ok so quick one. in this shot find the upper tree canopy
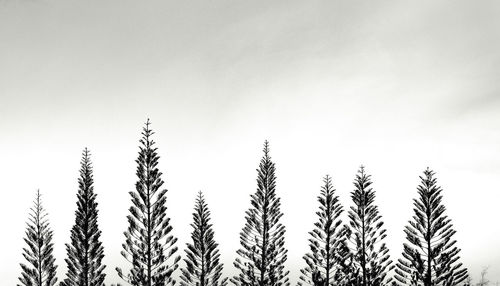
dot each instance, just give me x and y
(85, 253)
(263, 253)
(203, 266)
(371, 263)
(149, 244)
(430, 256)
(40, 269)
(325, 260)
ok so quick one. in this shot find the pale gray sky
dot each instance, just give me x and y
(394, 85)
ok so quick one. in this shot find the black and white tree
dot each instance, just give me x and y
(203, 266)
(325, 260)
(85, 252)
(371, 263)
(40, 268)
(262, 254)
(149, 245)
(430, 255)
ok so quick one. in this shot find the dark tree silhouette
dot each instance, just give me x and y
(149, 245)
(324, 261)
(40, 269)
(430, 257)
(263, 253)
(85, 253)
(203, 267)
(365, 234)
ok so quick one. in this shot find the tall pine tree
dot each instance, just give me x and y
(430, 257)
(149, 244)
(263, 253)
(203, 267)
(324, 261)
(40, 269)
(85, 253)
(371, 262)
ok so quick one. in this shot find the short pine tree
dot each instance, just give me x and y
(263, 252)
(85, 253)
(40, 269)
(324, 261)
(371, 262)
(430, 257)
(149, 244)
(203, 267)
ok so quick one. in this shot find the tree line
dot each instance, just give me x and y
(341, 253)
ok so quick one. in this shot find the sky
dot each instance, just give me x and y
(396, 86)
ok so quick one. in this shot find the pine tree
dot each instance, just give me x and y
(149, 245)
(263, 253)
(41, 268)
(430, 257)
(371, 262)
(202, 256)
(85, 253)
(324, 261)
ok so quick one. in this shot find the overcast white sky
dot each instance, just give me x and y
(394, 85)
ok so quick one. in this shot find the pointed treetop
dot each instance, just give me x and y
(200, 199)
(362, 169)
(327, 179)
(38, 208)
(85, 157)
(429, 173)
(146, 130)
(266, 148)
(38, 195)
(362, 172)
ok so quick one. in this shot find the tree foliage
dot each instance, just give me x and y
(325, 259)
(40, 269)
(371, 263)
(149, 245)
(430, 256)
(85, 253)
(203, 267)
(263, 254)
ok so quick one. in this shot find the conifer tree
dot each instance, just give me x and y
(263, 253)
(85, 253)
(149, 244)
(40, 269)
(203, 267)
(371, 262)
(324, 261)
(430, 256)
